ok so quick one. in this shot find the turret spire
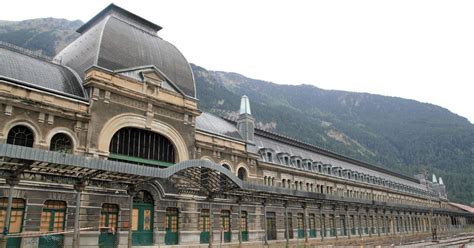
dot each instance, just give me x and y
(245, 105)
(245, 122)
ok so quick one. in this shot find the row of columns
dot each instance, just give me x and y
(381, 223)
(393, 224)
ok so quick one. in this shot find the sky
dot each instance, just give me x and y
(415, 49)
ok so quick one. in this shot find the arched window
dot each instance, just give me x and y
(61, 143)
(242, 174)
(143, 196)
(140, 146)
(21, 136)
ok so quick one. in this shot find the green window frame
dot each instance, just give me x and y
(204, 226)
(244, 225)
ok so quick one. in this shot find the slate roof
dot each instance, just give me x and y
(462, 207)
(327, 157)
(216, 125)
(19, 67)
(117, 39)
(210, 123)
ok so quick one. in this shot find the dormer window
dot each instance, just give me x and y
(287, 160)
(269, 157)
(298, 163)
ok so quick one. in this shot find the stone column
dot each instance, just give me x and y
(265, 221)
(336, 221)
(131, 193)
(378, 221)
(211, 223)
(347, 220)
(305, 222)
(322, 222)
(287, 233)
(430, 225)
(79, 187)
(240, 223)
(360, 223)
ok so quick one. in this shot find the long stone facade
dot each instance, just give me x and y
(105, 146)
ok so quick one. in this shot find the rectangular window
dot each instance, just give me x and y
(269, 157)
(16, 215)
(312, 225)
(204, 220)
(225, 216)
(53, 216)
(271, 226)
(243, 221)
(300, 219)
(135, 219)
(171, 219)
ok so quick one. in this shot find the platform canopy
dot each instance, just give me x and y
(198, 177)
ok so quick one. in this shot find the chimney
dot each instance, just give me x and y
(246, 122)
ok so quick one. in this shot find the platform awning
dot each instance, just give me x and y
(199, 177)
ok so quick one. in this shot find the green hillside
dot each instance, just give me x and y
(45, 35)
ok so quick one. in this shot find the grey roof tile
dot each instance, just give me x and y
(213, 124)
(23, 68)
(265, 142)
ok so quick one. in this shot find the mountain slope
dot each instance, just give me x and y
(399, 134)
(45, 35)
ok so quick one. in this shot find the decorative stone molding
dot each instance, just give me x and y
(139, 121)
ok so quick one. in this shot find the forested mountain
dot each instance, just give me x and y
(399, 134)
(46, 36)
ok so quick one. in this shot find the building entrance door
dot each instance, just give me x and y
(271, 226)
(300, 219)
(204, 226)
(225, 222)
(142, 219)
(171, 236)
(52, 221)
(108, 226)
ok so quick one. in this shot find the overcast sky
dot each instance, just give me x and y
(422, 50)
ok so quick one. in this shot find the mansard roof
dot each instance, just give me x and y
(22, 67)
(213, 124)
(117, 39)
(281, 143)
